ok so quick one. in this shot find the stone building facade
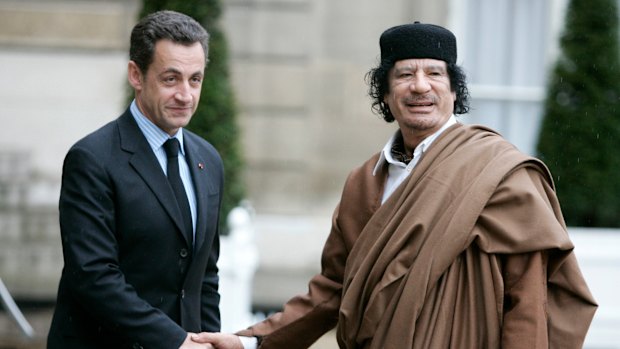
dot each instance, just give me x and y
(298, 70)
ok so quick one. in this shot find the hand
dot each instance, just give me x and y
(219, 340)
(188, 343)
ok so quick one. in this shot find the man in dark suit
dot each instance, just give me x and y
(139, 207)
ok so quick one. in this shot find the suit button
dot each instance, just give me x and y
(137, 346)
(182, 294)
(183, 253)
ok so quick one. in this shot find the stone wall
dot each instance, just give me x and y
(69, 24)
(30, 253)
(63, 65)
(298, 68)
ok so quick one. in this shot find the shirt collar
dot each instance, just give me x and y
(386, 152)
(153, 134)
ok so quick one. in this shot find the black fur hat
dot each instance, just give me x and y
(418, 40)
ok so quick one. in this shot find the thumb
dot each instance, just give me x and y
(204, 337)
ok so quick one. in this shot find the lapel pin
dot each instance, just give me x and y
(201, 166)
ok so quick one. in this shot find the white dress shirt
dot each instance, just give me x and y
(156, 138)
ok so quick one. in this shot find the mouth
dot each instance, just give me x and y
(180, 109)
(419, 104)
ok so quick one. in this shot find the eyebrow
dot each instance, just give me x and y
(411, 68)
(176, 71)
(170, 70)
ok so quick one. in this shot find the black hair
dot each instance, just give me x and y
(170, 25)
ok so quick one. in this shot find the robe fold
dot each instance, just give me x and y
(471, 251)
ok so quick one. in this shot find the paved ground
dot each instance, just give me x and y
(10, 334)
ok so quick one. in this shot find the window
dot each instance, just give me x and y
(506, 48)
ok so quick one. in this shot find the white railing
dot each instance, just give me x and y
(238, 263)
(14, 312)
(598, 254)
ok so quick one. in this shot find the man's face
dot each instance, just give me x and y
(168, 93)
(420, 97)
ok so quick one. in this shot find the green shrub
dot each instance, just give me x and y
(580, 134)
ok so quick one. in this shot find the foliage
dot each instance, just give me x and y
(215, 118)
(580, 134)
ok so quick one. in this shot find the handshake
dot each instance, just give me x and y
(209, 340)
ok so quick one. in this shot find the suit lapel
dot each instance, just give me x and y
(144, 161)
(198, 168)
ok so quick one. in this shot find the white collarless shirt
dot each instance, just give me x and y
(397, 170)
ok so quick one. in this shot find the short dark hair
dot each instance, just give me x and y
(377, 79)
(166, 24)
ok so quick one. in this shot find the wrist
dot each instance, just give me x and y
(249, 342)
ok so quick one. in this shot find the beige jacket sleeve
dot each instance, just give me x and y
(305, 318)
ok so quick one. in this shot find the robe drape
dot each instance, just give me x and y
(471, 251)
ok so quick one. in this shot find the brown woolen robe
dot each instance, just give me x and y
(471, 251)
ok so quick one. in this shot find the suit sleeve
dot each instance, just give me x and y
(91, 251)
(210, 317)
(210, 300)
(210, 297)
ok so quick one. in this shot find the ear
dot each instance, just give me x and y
(134, 76)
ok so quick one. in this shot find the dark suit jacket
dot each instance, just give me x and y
(130, 278)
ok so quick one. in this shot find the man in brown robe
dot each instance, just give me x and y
(448, 238)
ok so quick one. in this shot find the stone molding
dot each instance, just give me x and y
(78, 24)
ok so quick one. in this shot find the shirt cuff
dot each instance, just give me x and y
(249, 342)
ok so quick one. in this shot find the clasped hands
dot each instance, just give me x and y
(209, 340)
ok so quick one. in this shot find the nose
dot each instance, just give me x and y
(183, 94)
(420, 84)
